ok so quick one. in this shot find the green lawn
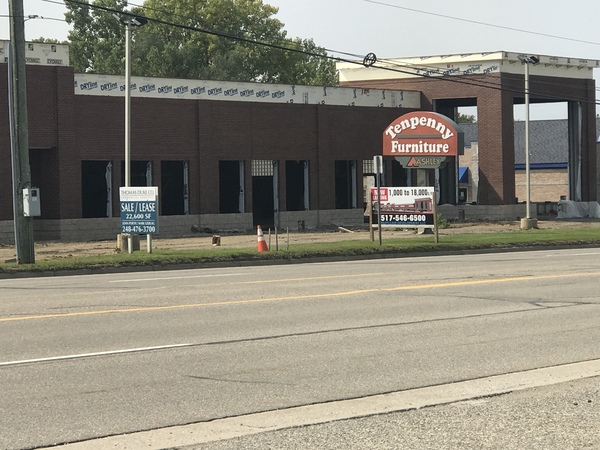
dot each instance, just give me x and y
(351, 248)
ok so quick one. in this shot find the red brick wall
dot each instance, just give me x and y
(69, 128)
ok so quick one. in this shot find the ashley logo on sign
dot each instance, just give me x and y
(419, 162)
(421, 133)
(425, 162)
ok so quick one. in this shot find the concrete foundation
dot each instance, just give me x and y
(528, 224)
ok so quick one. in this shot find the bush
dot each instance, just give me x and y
(442, 223)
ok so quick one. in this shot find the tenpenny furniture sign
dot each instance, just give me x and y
(422, 139)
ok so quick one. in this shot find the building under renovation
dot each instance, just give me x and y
(230, 156)
(494, 82)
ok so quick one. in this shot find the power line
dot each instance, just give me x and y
(206, 31)
(423, 12)
(461, 19)
(354, 55)
(477, 83)
(33, 16)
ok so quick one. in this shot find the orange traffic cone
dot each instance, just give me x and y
(262, 244)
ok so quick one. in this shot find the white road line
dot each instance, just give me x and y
(89, 355)
(584, 254)
(217, 430)
(135, 280)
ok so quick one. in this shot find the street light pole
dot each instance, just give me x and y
(128, 103)
(527, 167)
(528, 222)
(129, 21)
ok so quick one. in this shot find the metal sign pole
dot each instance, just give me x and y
(371, 234)
(435, 220)
(378, 165)
(379, 205)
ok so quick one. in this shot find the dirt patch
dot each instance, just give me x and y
(57, 250)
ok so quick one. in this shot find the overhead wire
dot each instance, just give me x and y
(476, 22)
(462, 19)
(396, 67)
(34, 16)
(353, 55)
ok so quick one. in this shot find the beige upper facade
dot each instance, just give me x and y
(467, 64)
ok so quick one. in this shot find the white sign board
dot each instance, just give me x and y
(405, 207)
(139, 210)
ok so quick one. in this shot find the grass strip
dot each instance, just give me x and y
(350, 248)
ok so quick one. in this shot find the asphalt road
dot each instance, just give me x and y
(85, 357)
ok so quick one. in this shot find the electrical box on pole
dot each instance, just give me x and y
(31, 202)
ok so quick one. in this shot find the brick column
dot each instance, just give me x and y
(496, 138)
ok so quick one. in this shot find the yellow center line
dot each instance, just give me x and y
(296, 297)
(329, 277)
(498, 280)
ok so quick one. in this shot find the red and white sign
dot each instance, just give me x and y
(421, 133)
(384, 194)
(405, 207)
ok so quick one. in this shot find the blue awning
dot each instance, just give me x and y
(463, 174)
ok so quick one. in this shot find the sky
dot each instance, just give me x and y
(403, 28)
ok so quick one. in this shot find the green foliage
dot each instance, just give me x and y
(97, 38)
(169, 51)
(44, 40)
(465, 118)
(442, 222)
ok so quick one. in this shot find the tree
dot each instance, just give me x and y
(305, 68)
(44, 40)
(97, 38)
(227, 52)
(465, 118)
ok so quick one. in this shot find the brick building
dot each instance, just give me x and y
(233, 155)
(494, 83)
(224, 155)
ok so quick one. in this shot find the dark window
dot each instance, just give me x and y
(294, 185)
(343, 184)
(172, 188)
(229, 186)
(263, 202)
(96, 184)
(141, 171)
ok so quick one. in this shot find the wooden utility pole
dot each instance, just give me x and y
(20, 133)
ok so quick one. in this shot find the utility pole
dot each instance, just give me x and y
(20, 133)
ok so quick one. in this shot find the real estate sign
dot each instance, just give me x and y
(405, 207)
(139, 210)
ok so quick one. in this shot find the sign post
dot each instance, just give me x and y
(378, 165)
(139, 212)
(435, 219)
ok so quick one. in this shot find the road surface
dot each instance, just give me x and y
(85, 357)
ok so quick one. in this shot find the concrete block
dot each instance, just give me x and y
(122, 242)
